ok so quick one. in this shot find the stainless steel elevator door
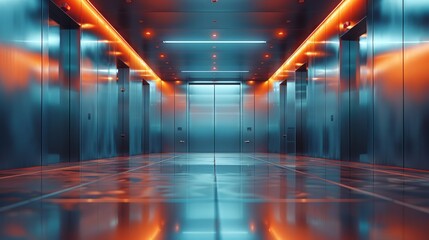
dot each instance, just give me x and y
(201, 118)
(214, 118)
(227, 118)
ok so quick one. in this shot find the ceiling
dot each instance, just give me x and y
(229, 20)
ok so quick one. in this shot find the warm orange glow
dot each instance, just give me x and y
(252, 227)
(162, 55)
(330, 23)
(148, 34)
(267, 55)
(115, 53)
(87, 26)
(29, 67)
(388, 68)
(83, 10)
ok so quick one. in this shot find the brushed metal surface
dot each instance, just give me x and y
(201, 118)
(21, 64)
(274, 117)
(181, 117)
(416, 99)
(227, 122)
(248, 117)
(261, 116)
(168, 114)
(388, 87)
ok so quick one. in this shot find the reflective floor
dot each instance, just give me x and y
(206, 196)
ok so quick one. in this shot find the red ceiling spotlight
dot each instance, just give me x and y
(148, 33)
(65, 7)
(162, 55)
(267, 56)
(347, 25)
(214, 68)
(280, 33)
(214, 56)
(214, 35)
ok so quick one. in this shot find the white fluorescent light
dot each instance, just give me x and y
(217, 42)
(215, 71)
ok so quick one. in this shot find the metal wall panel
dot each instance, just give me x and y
(227, 118)
(181, 117)
(345, 100)
(154, 131)
(248, 117)
(261, 116)
(301, 112)
(274, 117)
(332, 78)
(309, 125)
(89, 58)
(291, 113)
(318, 83)
(122, 134)
(201, 118)
(108, 103)
(168, 129)
(20, 82)
(136, 115)
(283, 115)
(146, 116)
(416, 79)
(388, 82)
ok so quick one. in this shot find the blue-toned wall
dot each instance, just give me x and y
(366, 99)
(62, 96)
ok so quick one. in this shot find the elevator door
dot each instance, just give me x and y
(214, 118)
(355, 95)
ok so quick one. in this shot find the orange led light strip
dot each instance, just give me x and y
(88, 7)
(284, 67)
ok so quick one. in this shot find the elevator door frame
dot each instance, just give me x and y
(188, 112)
(352, 137)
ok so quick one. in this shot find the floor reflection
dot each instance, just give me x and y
(203, 196)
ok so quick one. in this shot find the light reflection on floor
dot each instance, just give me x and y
(203, 196)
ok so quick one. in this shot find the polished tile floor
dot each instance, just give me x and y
(222, 196)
